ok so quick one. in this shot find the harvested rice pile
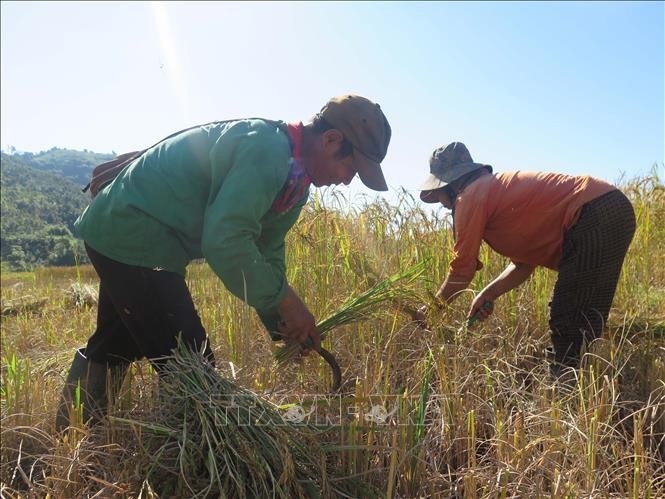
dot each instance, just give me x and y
(215, 439)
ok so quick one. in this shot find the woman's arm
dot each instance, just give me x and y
(451, 287)
(514, 275)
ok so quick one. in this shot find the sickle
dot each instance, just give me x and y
(336, 371)
(332, 362)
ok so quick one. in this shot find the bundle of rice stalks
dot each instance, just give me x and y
(23, 305)
(216, 439)
(81, 295)
(363, 306)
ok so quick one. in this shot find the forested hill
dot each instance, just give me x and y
(76, 165)
(39, 207)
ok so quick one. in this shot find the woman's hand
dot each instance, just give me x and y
(420, 316)
(481, 307)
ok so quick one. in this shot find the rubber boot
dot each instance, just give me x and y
(95, 380)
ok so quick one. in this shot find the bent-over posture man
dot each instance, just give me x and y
(228, 192)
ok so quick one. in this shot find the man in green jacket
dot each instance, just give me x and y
(228, 192)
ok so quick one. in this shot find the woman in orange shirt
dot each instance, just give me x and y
(577, 225)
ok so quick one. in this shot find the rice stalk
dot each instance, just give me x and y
(361, 307)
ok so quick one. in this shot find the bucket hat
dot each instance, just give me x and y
(447, 164)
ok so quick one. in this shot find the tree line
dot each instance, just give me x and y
(41, 198)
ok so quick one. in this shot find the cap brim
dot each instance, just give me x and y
(369, 171)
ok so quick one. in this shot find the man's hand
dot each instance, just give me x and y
(298, 324)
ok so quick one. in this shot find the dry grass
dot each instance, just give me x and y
(465, 412)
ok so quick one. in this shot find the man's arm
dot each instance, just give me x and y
(272, 247)
(247, 173)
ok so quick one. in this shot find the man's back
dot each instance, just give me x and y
(155, 211)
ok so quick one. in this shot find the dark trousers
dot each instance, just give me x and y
(593, 253)
(141, 312)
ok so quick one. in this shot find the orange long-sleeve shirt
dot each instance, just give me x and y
(521, 215)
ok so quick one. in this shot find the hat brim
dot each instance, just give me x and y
(426, 196)
(369, 171)
(432, 182)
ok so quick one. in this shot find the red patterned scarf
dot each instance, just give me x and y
(297, 180)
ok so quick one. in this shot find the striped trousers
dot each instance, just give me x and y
(593, 253)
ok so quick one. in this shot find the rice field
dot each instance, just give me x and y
(453, 411)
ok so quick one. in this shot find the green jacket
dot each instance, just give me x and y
(205, 193)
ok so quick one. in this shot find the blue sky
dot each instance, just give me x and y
(570, 87)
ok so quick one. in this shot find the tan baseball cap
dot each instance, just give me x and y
(365, 126)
